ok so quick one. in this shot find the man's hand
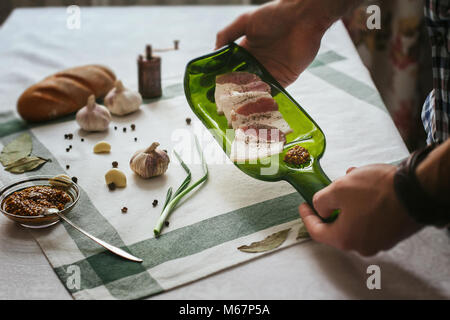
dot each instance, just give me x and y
(371, 217)
(284, 35)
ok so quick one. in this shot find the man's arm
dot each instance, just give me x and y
(372, 217)
(434, 173)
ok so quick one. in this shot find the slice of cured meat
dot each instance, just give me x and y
(237, 82)
(235, 99)
(263, 111)
(256, 141)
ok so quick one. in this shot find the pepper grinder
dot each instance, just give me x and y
(149, 73)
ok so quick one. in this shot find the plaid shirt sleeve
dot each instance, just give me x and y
(435, 113)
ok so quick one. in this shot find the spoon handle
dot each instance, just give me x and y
(104, 244)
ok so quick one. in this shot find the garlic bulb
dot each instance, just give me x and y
(150, 162)
(93, 117)
(121, 101)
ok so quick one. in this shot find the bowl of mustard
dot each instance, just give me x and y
(27, 201)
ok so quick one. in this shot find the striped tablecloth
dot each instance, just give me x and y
(231, 209)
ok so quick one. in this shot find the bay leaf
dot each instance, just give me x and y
(25, 164)
(271, 242)
(302, 233)
(17, 149)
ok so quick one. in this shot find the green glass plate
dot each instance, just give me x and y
(199, 86)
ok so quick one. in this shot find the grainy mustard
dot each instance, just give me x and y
(33, 201)
(297, 156)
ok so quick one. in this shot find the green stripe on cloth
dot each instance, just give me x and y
(12, 124)
(326, 58)
(89, 218)
(354, 87)
(191, 239)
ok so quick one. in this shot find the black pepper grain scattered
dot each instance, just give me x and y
(166, 223)
(82, 139)
(67, 149)
(115, 127)
(115, 164)
(70, 146)
(67, 167)
(188, 121)
(124, 210)
(66, 136)
(75, 179)
(135, 139)
(112, 186)
(124, 129)
(155, 203)
(70, 136)
(133, 126)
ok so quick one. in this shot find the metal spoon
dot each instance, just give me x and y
(113, 249)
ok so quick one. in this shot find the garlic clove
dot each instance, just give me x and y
(150, 162)
(93, 116)
(117, 177)
(121, 100)
(102, 147)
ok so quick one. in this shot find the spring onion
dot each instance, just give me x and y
(182, 191)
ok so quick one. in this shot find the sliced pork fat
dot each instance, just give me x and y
(236, 99)
(256, 141)
(263, 111)
(249, 108)
(272, 118)
(237, 82)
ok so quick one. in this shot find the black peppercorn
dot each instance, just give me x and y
(166, 223)
(67, 167)
(124, 210)
(133, 126)
(70, 136)
(124, 129)
(155, 203)
(115, 128)
(82, 139)
(75, 179)
(115, 164)
(67, 149)
(188, 121)
(135, 139)
(112, 186)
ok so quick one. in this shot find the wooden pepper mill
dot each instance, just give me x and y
(149, 73)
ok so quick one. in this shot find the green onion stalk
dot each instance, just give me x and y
(172, 200)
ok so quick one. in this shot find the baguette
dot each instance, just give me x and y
(64, 92)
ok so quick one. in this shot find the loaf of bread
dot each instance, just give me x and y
(64, 92)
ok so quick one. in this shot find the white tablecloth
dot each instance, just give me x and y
(416, 268)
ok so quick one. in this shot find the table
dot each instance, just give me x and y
(417, 268)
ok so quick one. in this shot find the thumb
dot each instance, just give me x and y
(317, 229)
(350, 170)
(233, 31)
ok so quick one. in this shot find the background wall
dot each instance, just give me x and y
(6, 6)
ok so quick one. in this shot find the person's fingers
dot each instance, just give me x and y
(233, 31)
(317, 229)
(326, 201)
(350, 170)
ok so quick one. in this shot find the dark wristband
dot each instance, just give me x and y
(420, 205)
